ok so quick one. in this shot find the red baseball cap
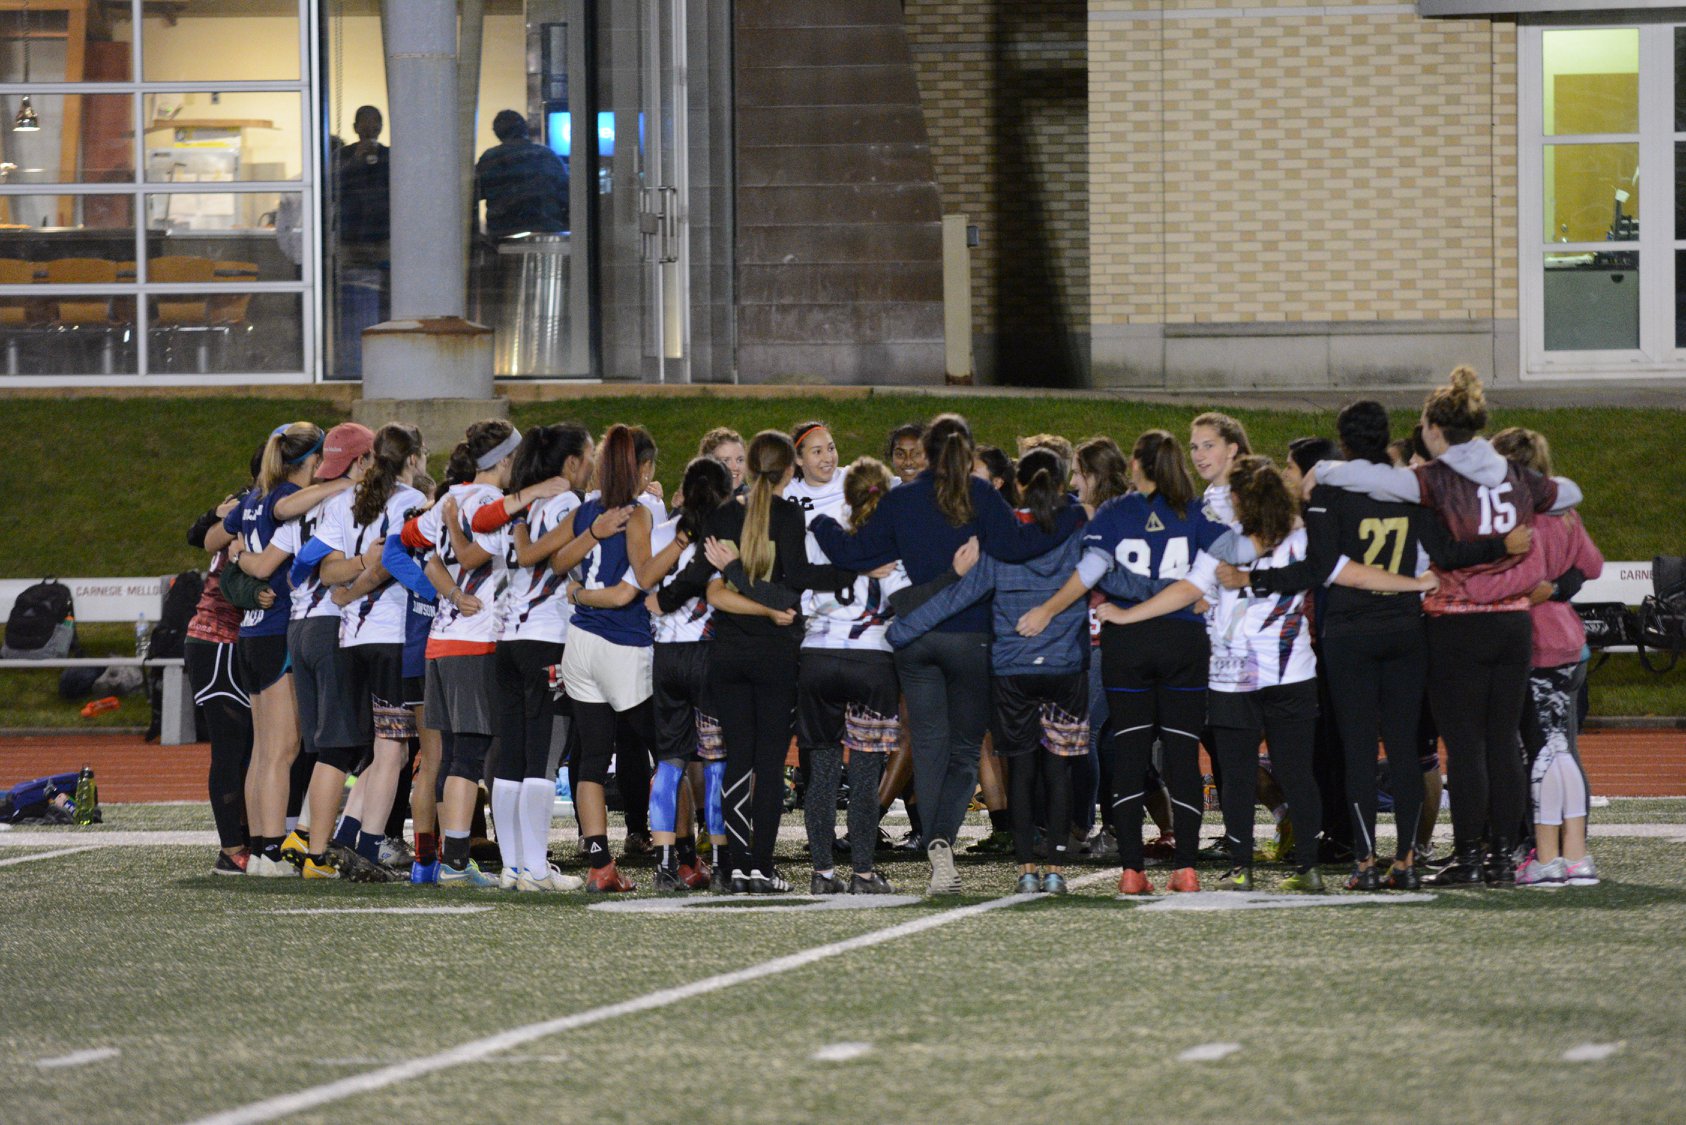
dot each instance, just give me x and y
(344, 444)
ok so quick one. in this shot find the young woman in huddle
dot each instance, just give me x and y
(945, 672)
(904, 451)
(1214, 442)
(687, 731)
(847, 700)
(1039, 686)
(726, 446)
(1478, 653)
(992, 464)
(1561, 558)
(282, 493)
(817, 489)
(550, 463)
(1261, 677)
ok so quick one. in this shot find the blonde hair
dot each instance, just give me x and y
(1460, 407)
(864, 485)
(771, 455)
(715, 438)
(1227, 428)
(284, 451)
(1063, 449)
(1528, 448)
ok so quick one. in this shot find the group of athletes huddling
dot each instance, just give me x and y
(1078, 621)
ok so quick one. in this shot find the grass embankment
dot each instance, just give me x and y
(109, 487)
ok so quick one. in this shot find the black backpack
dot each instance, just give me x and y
(42, 625)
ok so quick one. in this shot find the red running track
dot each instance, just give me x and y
(1621, 763)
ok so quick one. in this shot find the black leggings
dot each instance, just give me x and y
(1055, 771)
(753, 683)
(1155, 678)
(1286, 716)
(623, 735)
(228, 719)
(820, 809)
(1478, 667)
(525, 708)
(1376, 686)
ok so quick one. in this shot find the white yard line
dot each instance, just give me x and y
(1209, 1052)
(79, 1058)
(478, 1049)
(385, 910)
(46, 855)
(841, 1052)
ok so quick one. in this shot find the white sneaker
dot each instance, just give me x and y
(945, 880)
(1583, 872)
(507, 878)
(262, 867)
(552, 880)
(1548, 875)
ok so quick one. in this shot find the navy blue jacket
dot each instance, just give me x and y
(908, 526)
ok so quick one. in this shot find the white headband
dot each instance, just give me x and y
(502, 450)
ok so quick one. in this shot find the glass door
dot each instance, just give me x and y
(663, 193)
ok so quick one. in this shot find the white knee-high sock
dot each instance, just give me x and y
(506, 821)
(538, 798)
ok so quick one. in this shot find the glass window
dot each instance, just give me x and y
(1591, 81)
(35, 44)
(66, 240)
(1591, 193)
(242, 136)
(251, 41)
(255, 235)
(81, 138)
(224, 332)
(1591, 302)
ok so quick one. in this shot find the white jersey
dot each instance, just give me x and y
(658, 510)
(817, 500)
(376, 618)
(310, 597)
(535, 609)
(1220, 506)
(454, 634)
(693, 621)
(1256, 642)
(858, 623)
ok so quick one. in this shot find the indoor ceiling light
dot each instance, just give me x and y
(27, 120)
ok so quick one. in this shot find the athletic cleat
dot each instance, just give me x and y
(637, 845)
(1053, 883)
(1029, 884)
(738, 884)
(553, 879)
(230, 864)
(771, 883)
(507, 878)
(1162, 847)
(1499, 866)
(1217, 851)
(360, 870)
(294, 850)
(262, 867)
(720, 882)
(1403, 879)
(1307, 882)
(1583, 872)
(1184, 880)
(668, 882)
(1550, 875)
(424, 874)
(1281, 847)
(1463, 871)
(945, 880)
(695, 876)
(607, 880)
(396, 853)
(1103, 844)
(1365, 879)
(1133, 882)
(470, 876)
(1236, 879)
(324, 870)
(912, 842)
(996, 843)
(871, 883)
(827, 885)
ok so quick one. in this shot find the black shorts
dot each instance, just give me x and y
(679, 683)
(528, 664)
(415, 691)
(375, 682)
(1047, 711)
(1248, 710)
(262, 661)
(848, 697)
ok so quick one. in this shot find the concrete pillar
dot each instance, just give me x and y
(427, 364)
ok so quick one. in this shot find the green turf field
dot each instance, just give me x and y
(1459, 1008)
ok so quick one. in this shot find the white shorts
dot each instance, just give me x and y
(598, 671)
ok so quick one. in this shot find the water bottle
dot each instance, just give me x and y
(87, 797)
(143, 637)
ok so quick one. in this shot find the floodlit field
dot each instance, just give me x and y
(138, 987)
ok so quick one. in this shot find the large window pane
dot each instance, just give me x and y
(67, 240)
(221, 137)
(1591, 81)
(86, 138)
(1680, 80)
(258, 234)
(209, 40)
(1591, 193)
(104, 51)
(1591, 302)
(225, 332)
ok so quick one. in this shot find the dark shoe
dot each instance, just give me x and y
(230, 864)
(1334, 852)
(996, 843)
(1404, 879)
(1463, 871)
(359, 870)
(827, 885)
(739, 883)
(668, 881)
(770, 883)
(1499, 866)
(1237, 879)
(1364, 879)
(695, 876)
(872, 883)
(638, 845)
(720, 881)
(912, 842)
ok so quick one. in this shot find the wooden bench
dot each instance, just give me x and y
(112, 600)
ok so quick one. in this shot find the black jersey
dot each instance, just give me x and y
(1379, 533)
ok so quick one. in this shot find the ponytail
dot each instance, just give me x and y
(1263, 505)
(1161, 459)
(544, 450)
(948, 454)
(771, 455)
(1041, 487)
(394, 445)
(864, 487)
(284, 451)
(706, 485)
(1459, 408)
(617, 467)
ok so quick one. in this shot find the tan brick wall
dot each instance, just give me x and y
(1345, 166)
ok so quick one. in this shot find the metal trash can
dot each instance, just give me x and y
(531, 331)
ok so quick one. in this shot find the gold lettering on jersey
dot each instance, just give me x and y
(1154, 523)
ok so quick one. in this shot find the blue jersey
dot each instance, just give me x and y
(255, 523)
(418, 622)
(1144, 535)
(604, 567)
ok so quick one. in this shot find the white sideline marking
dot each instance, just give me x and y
(477, 1049)
(1592, 1052)
(1209, 1052)
(1263, 900)
(783, 904)
(79, 1058)
(99, 837)
(46, 855)
(385, 910)
(841, 1052)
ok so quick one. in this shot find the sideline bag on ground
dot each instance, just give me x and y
(42, 624)
(1662, 616)
(1608, 624)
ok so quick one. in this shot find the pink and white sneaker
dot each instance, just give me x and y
(1549, 876)
(1583, 873)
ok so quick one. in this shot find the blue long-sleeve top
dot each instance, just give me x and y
(309, 556)
(402, 565)
(909, 526)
